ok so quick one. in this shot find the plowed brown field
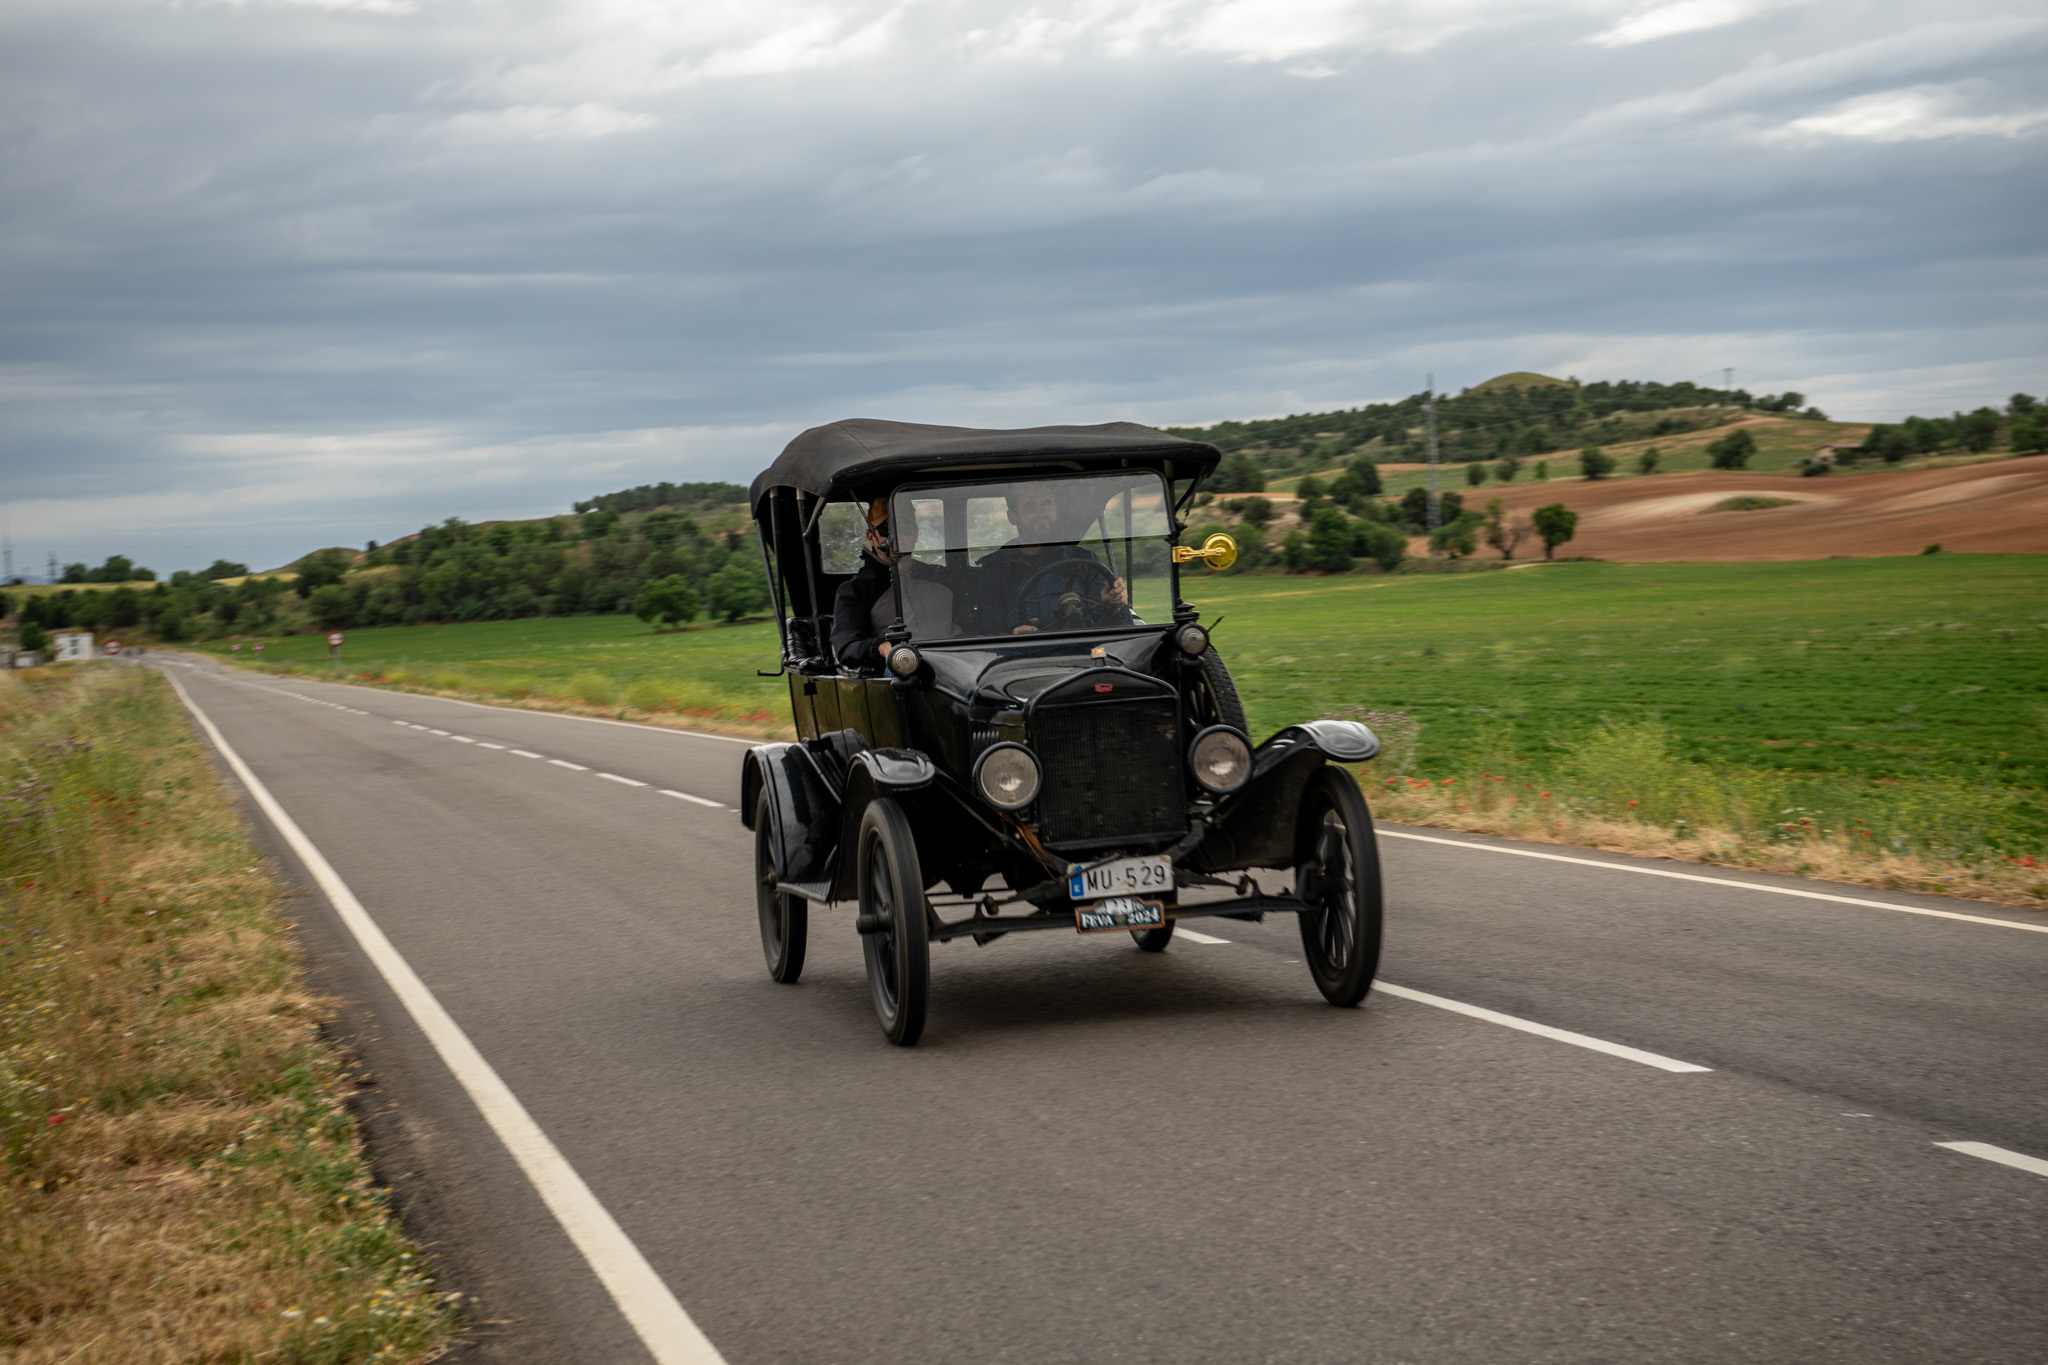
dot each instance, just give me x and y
(1999, 507)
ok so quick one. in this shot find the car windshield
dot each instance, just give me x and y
(1079, 552)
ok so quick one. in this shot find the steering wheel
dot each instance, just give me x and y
(1074, 609)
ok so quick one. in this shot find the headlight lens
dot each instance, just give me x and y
(1221, 759)
(1007, 776)
(1192, 639)
(903, 661)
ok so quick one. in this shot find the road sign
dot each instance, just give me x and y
(334, 638)
(73, 646)
(112, 647)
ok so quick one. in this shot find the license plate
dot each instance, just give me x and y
(1124, 877)
(1119, 912)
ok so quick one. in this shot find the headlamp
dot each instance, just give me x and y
(1221, 759)
(903, 661)
(1007, 776)
(1192, 639)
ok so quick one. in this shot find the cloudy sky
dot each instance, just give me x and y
(283, 273)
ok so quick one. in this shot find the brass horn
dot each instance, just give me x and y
(1219, 551)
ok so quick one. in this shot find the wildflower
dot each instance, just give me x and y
(1543, 793)
(1447, 781)
(1631, 803)
(56, 1119)
(293, 1313)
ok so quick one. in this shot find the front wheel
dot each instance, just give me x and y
(892, 896)
(1153, 940)
(1338, 878)
(785, 919)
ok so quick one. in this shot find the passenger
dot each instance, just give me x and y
(1004, 575)
(864, 608)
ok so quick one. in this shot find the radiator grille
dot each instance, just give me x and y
(1112, 771)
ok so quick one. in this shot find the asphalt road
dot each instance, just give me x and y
(1102, 1155)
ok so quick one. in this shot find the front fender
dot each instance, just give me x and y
(1256, 827)
(802, 808)
(873, 773)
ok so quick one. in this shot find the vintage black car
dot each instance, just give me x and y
(1022, 726)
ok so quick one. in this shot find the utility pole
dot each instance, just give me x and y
(53, 566)
(1429, 409)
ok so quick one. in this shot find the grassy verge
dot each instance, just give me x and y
(181, 1181)
(1875, 720)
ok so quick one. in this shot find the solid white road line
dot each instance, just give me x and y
(2016, 1160)
(614, 777)
(1717, 881)
(664, 1328)
(1633, 1054)
(1182, 931)
(524, 753)
(685, 796)
(565, 763)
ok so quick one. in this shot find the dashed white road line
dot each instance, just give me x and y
(685, 796)
(565, 763)
(2019, 1161)
(437, 732)
(462, 739)
(1633, 1054)
(648, 1304)
(482, 744)
(523, 753)
(624, 781)
(1715, 881)
(1182, 931)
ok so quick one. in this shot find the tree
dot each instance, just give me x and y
(33, 636)
(1543, 471)
(1978, 429)
(117, 569)
(2022, 405)
(1257, 511)
(1595, 463)
(75, 573)
(1457, 537)
(1646, 463)
(736, 590)
(672, 599)
(1475, 474)
(1500, 533)
(1369, 476)
(1238, 473)
(1557, 524)
(1294, 552)
(1379, 542)
(1734, 450)
(2028, 435)
(1308, 492)
(317, 571)
(1329, 541)
(225, 568)
(1507, 468)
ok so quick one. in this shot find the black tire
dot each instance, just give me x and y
(1153, 940)
(892, 889)
(1222, 691)
(1338, 871)
(785, 919)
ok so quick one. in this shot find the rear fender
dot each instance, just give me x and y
(803, 808)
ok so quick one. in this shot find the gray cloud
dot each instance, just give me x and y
(282, 274)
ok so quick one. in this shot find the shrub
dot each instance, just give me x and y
(1379, 542)
(737, 589)
(1257, 511)
(1368, 476)
(2029, 436)
(670, 599)
(1238, 473)
(1646, 463)
(1543, 470)
(1595, 463)
(33, 636)
(1475, 474)
(1458, 537)
(1329, 541)
(1507, 468)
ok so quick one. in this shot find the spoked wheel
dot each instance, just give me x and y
(1154, 940)
(1338, 875)
(892, 892)
(785, 919)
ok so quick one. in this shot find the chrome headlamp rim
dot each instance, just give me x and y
(904, 660)
(1191, 639)
(982, 788)
(1244, 745)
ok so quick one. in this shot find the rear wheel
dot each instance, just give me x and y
(1338, 877)
(898, 952)
(1153, 940)
(785, 919)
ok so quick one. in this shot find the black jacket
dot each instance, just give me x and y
(855, 642)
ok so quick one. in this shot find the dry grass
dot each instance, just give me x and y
(181, 1181)
(1542, 815)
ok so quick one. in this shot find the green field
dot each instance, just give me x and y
(1910, 694)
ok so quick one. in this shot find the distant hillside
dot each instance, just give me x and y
(1512, 414)
(649, 496)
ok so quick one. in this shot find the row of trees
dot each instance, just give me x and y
(1484, 424)
(2022, 424)
(651, 495)
(194, 609)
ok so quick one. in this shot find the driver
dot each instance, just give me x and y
(1020, 605)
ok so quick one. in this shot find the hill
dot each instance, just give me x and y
(1519, 379)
